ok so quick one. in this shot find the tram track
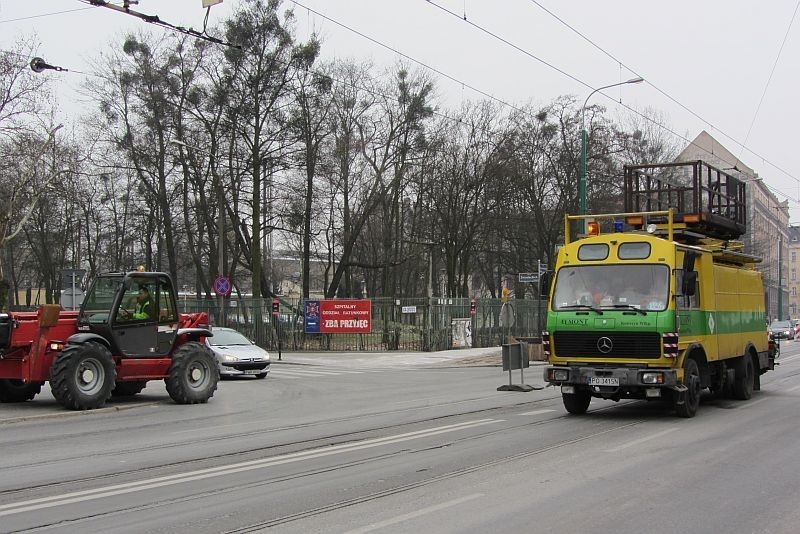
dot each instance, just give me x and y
(344, 503)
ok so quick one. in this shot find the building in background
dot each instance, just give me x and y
(794, 271)
(767, 221)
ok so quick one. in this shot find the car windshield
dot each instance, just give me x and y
(227, 337)
(644, 287)
(780, 325)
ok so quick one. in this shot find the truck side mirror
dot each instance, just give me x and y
(688, 260)
(689, 284)
(545, 279)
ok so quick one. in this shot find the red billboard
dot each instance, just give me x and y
(339, 316)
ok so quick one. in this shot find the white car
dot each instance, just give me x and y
(237, 355)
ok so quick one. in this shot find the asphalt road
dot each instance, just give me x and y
(372, 443)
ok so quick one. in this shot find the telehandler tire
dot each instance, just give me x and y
(12, 390)
(128, 389)
(193, 375)
(82, 376)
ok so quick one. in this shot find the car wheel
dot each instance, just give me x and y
(261, 376)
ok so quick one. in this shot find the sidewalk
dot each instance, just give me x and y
(478, 357)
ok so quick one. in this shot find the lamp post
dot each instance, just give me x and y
(582, 176)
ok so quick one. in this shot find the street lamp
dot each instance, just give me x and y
(582, 177)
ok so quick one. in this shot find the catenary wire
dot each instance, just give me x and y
(667, 95)
(44, 15)
(588, 86)
(769, 79)
(568, 75)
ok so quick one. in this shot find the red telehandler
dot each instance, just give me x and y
(128, 331)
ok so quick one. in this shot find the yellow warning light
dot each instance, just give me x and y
(140, 268)
(593, 228)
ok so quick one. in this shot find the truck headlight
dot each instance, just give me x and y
(652, 378)
(558, 375)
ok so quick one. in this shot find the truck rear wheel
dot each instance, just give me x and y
(82, 376)
(193, 375)
(745, 378)
(691, 397)
(18, 391)
(128, 389)
(577, 403)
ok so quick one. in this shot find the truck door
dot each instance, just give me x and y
(687, 298)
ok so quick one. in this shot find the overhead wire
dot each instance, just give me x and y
(667, 95)
(588, 86)
(44, 15)
(769, 79)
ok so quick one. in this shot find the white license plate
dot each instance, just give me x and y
(603, 381)
(252, 371)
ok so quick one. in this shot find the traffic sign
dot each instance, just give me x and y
(222, 286)
(529, 278)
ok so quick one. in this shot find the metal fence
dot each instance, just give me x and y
(404, 324)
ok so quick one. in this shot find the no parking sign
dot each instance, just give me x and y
(222, 286)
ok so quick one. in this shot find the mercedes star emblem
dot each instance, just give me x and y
(604, 345)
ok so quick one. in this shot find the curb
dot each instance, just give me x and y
(77, 413)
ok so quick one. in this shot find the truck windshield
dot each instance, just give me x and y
(96, 306)
(642, 287)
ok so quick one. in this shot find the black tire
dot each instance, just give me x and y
(261, 376)
(745, 378)
(128, 389)
(82, 376)
(577, 403)
(18, 391)
(193, 375)
(691, 398)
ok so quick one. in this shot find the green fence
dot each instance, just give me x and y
(404, 324)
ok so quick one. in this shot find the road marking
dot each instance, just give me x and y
(413, 515)
(794, 388)
(223, 470)
(749, 404)
(642, 440)
(536, 412)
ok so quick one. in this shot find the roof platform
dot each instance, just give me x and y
(705, 199)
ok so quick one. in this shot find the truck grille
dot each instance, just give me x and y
(623, 345)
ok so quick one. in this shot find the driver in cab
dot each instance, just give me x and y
(143, 308)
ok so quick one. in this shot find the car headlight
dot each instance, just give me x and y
(229, 358)
(787, 332)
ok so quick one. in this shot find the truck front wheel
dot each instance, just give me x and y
(690, 397)
(193, 375)
(577, 403)
(18, 391)
(82, 376)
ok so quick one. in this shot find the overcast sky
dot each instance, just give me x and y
(712, 56)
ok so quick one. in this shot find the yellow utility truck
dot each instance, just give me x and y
(658, 302)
